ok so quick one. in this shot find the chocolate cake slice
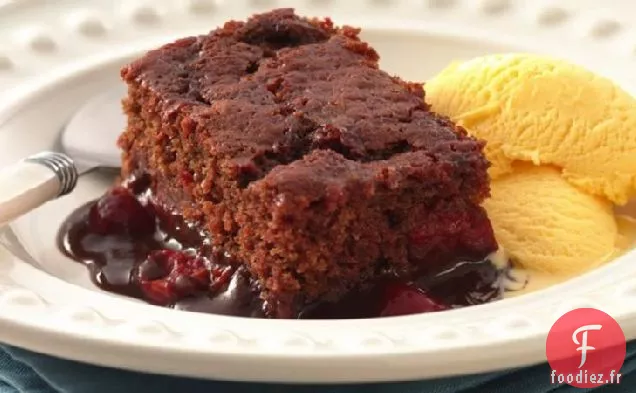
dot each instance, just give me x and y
(282, 140)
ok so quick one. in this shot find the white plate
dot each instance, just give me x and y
(56, 55)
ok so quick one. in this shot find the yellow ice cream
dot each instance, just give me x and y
(562, 143)
(548, 225)
(546, 111)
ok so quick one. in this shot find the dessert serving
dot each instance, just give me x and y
(271, 169)
(293, 176)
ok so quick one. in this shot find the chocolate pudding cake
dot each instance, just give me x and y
(289, 161)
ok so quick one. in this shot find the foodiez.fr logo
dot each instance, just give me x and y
(585, 349)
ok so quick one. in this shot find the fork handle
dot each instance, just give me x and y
(31, 182)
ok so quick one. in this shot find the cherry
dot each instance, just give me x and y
(167, 276)
(158, 292)
(193, 271)
(220, 276)
(119, 211)
(403, 299)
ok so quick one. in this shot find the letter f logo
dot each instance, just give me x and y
(583, 344)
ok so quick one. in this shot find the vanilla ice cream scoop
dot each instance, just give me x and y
(548, 225)
(548, 112)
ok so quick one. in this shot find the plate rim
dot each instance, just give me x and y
(19, 302)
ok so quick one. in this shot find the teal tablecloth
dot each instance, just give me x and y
(26, 372)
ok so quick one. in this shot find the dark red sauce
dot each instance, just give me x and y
(133, 247)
